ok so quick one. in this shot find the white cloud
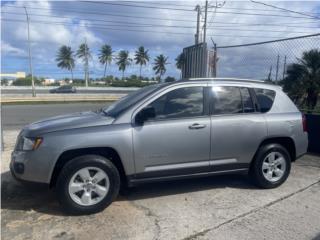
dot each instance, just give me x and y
(8, 49)
(233, 62)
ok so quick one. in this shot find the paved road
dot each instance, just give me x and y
(43, 91)
(221, 207)
(16, 116)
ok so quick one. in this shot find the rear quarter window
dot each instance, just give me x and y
(265, 98)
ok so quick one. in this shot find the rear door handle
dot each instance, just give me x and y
(197, 126)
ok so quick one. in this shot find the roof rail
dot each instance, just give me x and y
(229, 79)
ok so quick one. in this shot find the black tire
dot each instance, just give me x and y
(74, 165)
(256, 167)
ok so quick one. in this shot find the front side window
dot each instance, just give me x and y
(120, 106)
(265, 98)
(180, 103)
(226, 100)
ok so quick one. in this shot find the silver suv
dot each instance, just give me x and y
(189, 128)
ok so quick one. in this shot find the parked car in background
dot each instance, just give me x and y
(64, 89)
(183, 129)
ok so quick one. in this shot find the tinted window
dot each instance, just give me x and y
(246, 100)
(126, 102)
(226, 100)
(65, 87)
(180, 103)
(265, 98)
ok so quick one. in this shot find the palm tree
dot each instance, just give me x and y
(65, 59)
(105, 57)
(141, 57)
(160, 63)
(180, 60)
(123, 61)
(303, 78)
(84, 54)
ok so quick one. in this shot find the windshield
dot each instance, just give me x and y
(126, 102)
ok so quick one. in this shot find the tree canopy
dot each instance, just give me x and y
(302, 79)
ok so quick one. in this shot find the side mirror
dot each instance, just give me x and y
(145, 114)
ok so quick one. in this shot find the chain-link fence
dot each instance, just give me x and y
(265, 60)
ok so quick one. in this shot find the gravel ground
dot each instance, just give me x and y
(224, 207)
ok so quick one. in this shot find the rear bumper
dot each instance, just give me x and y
(301, 143)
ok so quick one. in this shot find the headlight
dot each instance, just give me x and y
(27, 144)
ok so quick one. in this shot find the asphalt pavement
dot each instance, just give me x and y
(17, 116)
(221, 207)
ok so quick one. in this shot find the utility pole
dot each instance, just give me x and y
(86, 62)
(277, 69)
(205, 22)
(217, 5)
(284, 66)
(215, 59)
(198, 24)
(30, 57)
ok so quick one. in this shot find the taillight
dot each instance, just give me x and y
(304, 123)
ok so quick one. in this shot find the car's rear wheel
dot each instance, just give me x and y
(87, 184)
(271, 166)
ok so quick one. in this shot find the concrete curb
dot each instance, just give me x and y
(60, 99)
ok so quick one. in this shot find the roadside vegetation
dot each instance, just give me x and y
(302, 81)
(107, 81)
(66, 59)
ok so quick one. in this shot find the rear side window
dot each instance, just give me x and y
(265, 98)
(226, 100)
(248, 106)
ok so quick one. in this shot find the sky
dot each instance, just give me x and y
(162, 27)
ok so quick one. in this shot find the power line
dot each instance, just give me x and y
(273, 41)
(191, 10)
(138, 30)
(231, 8)
(140, 6)
(260, 14)
(158, 25)
(146, 17)
(100, 20)
(107, 14)
(286, 10)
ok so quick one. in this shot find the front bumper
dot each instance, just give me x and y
(26, 182)
(27, 167)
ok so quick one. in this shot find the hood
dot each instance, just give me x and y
(64, 122)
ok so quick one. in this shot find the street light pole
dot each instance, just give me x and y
(30, 57)
(86, 61)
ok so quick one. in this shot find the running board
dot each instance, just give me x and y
(132, 181)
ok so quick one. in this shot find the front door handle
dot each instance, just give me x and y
(197, 126)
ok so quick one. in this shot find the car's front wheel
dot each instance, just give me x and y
(87, 184)
(271, 166)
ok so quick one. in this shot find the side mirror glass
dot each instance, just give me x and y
(145, 114)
